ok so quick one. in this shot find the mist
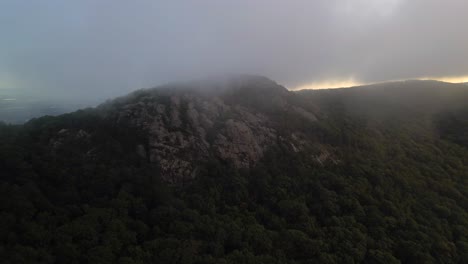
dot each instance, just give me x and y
(92, 50)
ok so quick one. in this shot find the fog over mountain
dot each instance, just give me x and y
(87, 49)
(200, 131)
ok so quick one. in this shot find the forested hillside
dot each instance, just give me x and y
(242, 172)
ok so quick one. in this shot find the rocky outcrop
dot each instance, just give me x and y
(237, 143)
(235, 123)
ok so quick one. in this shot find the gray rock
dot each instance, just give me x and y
(188, 127)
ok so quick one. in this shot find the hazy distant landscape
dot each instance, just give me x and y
(17, 108)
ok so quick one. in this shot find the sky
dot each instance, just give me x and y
(89, 48)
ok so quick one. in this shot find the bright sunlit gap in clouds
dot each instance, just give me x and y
(346, 83)
(329, 84)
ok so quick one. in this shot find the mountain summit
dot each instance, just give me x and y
(236, 120)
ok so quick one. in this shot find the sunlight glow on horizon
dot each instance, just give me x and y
(8, 81)
(329, 84)
(352, 82)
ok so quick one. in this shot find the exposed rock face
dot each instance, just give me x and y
(234, 122)
(238, 144)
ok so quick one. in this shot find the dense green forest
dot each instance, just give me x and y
(398, 192)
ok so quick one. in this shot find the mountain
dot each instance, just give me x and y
(241, 170)
(234, 120)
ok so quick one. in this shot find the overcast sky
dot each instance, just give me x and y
(109, 47)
